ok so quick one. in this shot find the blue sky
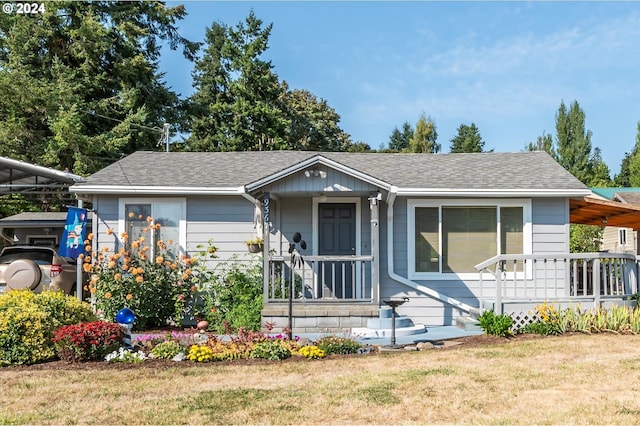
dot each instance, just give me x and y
(504, 66)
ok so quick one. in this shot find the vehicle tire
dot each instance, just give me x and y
(23, 274)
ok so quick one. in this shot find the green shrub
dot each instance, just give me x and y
(273, 350)
(167, 349)
(338, 345)
(235, 299)
(88, 341)
(28, 320)
(496, 325)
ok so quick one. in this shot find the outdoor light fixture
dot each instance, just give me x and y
(315, 173)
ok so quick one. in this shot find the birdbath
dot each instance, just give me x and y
(394, 304)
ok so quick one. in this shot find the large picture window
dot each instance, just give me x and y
(453, 238)
(168, 213)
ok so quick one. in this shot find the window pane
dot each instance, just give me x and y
(168, 216)
(511, 230)
(136, 220)
(469, 237)
(426, 240)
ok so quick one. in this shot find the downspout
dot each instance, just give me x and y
(265, 250)
(393, 192)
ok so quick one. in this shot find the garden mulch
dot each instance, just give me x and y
(158, 364)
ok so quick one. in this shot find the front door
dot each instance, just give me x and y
(337, 237)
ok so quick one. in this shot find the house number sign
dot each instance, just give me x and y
(266, 208)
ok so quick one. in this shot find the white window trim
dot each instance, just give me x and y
(182, 226)
(527, 229)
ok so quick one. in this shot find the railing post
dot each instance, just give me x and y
(498, 308)
(595, 277)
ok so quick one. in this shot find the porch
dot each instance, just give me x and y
(311, 293)
(516, 283)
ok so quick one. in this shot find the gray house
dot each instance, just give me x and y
(439, 229)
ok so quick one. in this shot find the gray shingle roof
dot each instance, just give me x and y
(521, 170)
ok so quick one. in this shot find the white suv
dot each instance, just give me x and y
(37, 268)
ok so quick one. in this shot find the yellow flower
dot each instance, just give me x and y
(129, 296)
(107, 295)
(139, 279)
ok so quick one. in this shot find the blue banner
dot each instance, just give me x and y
(72, 243)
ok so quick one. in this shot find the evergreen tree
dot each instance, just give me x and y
(81, 84)
(600, 175)
(634, 162)
(468, 139)
(236, 105)
(399, 140)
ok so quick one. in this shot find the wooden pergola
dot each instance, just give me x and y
(594, 211)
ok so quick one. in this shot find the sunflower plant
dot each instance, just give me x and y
(147, 275)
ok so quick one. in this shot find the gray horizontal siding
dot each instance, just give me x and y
(333, 181)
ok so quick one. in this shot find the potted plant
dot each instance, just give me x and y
(255, 245)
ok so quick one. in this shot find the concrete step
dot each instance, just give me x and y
(368, 333)
(468, 324)
(402, 321)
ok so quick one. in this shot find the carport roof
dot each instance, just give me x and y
(23, 177)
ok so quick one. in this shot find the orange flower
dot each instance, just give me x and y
(161, 244)
(109, 231)
(143, 257)
(117, 277)
(130, 214)
(140, 216)
(135, 245)
(124, 267)
(124, 235)
(194, 288)
(105, 249)
(86, 267)
(141, 239)
(90, 236)
(149, 219)
(158, 226)
(107, 295)
(140, 270)
(170, 242)
(129, 296)
(112, 264)
(139, 279)
(92, 289)
(133, 271)
(159, 260)
(87, 248)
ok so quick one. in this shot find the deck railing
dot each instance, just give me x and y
(327, 278)
(564, 277)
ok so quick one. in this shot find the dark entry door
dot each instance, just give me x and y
(337, 237)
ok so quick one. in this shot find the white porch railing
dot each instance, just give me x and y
(326, 278)
(557, 277)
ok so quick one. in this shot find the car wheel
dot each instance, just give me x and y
(23, 274)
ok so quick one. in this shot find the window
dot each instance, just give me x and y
(452, 238)
(169, 214)
(622, 236)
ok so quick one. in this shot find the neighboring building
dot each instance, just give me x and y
(620, 239)
(377, 226)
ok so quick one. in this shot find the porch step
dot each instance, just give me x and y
(468, 324)
(366, 332)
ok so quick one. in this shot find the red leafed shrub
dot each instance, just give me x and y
(87, 341)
